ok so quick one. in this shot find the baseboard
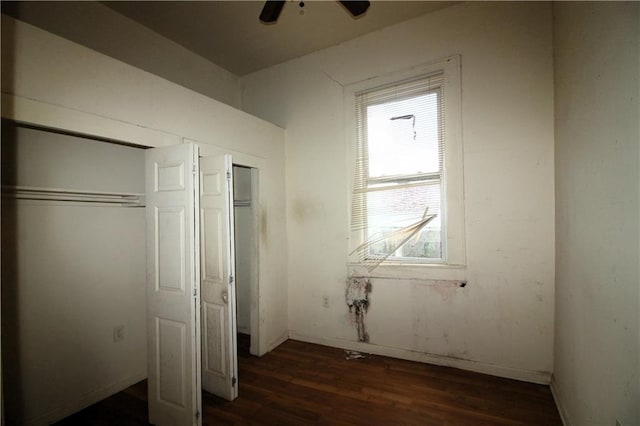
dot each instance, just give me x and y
(84, 401)
(564, 416)
(278, 342)
(538, 377)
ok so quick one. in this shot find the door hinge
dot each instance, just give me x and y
(195, 292)
(231, 279)
(197, 415)
(233, 381)
(193, 169)
(228, 175)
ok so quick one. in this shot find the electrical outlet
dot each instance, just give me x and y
(118, 333)
(325, 301)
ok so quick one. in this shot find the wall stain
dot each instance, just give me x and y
(263, 225)
(357, 297)
(462, 356)
(445, 288)
(304, 210)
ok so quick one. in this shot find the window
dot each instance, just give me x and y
(408, 170)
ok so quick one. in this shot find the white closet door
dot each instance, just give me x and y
(219, 355)
(173, 300)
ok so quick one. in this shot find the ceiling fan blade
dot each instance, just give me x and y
(356, 8)
(271, 11)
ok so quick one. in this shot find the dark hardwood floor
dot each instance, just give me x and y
(300, 383)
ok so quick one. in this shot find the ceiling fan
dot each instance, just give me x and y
(271, 10)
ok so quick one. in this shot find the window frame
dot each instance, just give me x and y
(411, 179)
(452, 203)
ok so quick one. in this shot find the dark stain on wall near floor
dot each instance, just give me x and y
(357, 297)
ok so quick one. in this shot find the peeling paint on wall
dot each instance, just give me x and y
(357, 296)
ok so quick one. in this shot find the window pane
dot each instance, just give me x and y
(403, 136)
(391, 210)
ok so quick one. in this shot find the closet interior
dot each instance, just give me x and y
(73, 270)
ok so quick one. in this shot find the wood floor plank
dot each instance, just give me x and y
(301, 383)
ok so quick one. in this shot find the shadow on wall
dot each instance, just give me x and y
(12, 393)
(11, 368)
(7, 75)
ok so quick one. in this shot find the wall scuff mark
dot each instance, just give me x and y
(351, 355)
(357, 295)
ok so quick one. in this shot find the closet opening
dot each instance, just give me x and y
(246, 257)
(73, 271)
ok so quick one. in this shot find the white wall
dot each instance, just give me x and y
(502, 322)
(596, 379)
(71, 272)
(59, 84)
(100, 28)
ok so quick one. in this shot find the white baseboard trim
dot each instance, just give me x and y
(84, 401)
(538, 377)
(278, 342)
(564, 416)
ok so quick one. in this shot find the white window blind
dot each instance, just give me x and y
(398, 194)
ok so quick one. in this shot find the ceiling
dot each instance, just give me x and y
(229, 33)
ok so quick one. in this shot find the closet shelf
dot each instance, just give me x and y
(75, 195)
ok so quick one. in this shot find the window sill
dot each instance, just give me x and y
(411, 271)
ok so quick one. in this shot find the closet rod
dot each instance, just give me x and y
(83, 196)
